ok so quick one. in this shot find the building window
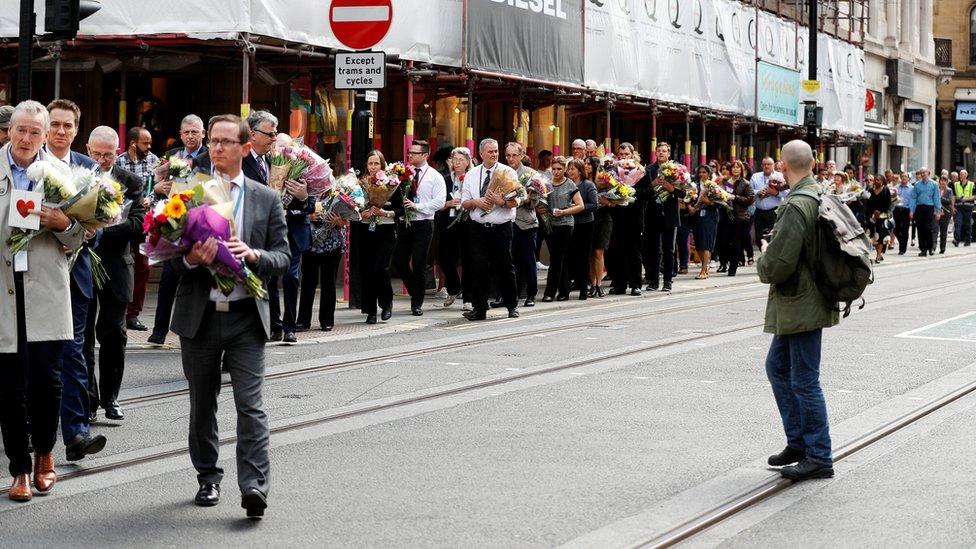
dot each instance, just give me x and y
(943, 52)
(972, 36)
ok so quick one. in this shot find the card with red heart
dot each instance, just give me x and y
(22, 203)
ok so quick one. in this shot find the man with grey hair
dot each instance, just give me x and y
(579, 149)
(591, 146)
(192, 135)
(796, 314)
(768, 198)
(264, 130)
(489, 233)
(6, 112)
(926, 210)
(32, 338)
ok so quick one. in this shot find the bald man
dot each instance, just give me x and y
(796, 314)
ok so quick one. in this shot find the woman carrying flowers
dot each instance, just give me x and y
(708, 214)
(450, 236)
(375, 248)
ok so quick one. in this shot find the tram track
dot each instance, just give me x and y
(679, 534)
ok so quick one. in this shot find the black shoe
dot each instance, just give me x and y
(475, 314)
(276, 336)
(583, 296)
(806, 470)
(901, 253)
(93, 416)
(788, 456)
(113, 411)
(208, 495)
(290, 337)
(496, 304)
(327, 328)
(721, 269)
(966, 245)
(666, 288)
(562, 298)
(254, 502)
(385, 314)
(299, 328)
(599, 291)
(942, 251)
(956, 243)
(417, 311)
(156, 339)
(547, 299)
(134, 324)
(635, 291)
(83, 444)
(370, 319)
(513, 312)
(529, 303)
(651, 288)
(922, 254)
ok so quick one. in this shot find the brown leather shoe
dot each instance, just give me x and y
(44, 475)
(20, 489)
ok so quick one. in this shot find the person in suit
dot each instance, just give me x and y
(257, 166)
(230, 330)
(106, 311)
(195, 151)
(425, 195)
(661, 221)
(31, 342)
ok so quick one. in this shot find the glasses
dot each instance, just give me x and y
(220, 143)
(271, 134)
(412, 153)
(99, 156)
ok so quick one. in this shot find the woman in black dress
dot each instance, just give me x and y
(378, 243)
(878, 209)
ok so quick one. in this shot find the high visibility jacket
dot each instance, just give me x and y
(964, 191)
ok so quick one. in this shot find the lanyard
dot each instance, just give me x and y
(237, 205)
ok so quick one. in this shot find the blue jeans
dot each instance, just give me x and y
(793, 369)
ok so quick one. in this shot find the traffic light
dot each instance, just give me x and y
(61, 17)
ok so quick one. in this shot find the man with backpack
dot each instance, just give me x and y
(796, 313)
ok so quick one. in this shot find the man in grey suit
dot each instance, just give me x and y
(31, 337)
(230, 330)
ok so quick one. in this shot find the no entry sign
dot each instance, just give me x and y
(360, 24)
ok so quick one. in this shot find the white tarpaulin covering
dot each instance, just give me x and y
(422, 30)
(702, 53)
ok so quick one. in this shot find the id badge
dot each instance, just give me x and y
(222, 306)
(20, 262)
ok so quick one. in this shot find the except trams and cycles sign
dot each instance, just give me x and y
(360, 71)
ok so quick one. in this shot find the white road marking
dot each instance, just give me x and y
(911, 333)
(707, 381)
(845, 391)
(640, 377)
(453, 363)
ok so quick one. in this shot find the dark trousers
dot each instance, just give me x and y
(106, 323)
(793, 370)
(491, 257)
(659, 247)
(764, 221)
(168, 281)
(30, 388)
(449, 256)
(580, 250)
(523, 253)
(902, 223)
(740, 238)
(682, 243)
(558, 243)
(724, 238)
(374, 262)
(318, 268)
(944, 230)
(75, 368)
(410, 258)
(963, 229)
(235, 340)
(140, 270)
(625, 243)
(289, 285)
(925, 218)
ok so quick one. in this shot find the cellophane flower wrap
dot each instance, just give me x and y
(58, 187)
(346, 198)
(614, 190)
(172, 167)
(674, 173)
(298, 162)
(629, 171)
(177, 223)
(537, 189)
(717, 194)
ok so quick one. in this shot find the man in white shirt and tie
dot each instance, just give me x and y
(490, 234)
(421, 199)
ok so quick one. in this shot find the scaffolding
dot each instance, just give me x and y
(844, 19)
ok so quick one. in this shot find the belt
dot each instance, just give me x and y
(494, 225)
(240, 305)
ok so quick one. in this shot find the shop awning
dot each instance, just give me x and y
(877, 131)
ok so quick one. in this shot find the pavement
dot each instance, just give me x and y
(540, 432)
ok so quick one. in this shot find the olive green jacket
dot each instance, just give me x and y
(795, 304)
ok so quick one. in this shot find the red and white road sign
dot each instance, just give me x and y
(360, 24)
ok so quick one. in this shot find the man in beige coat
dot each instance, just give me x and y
(34, 290)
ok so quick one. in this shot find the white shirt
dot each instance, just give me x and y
(472, 189)
(431, 193)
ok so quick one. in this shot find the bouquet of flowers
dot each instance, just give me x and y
(674, 173)
(777, 181)
(606, 180)
(296, 161)
(193, 216)
(629, 171)
(717, 194)
(620, 195)
(172, 167)
(403, 174)
(608, 163)
(537, 189)
(346, 198)
(691, 195)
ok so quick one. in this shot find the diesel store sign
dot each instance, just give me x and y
(540, 39)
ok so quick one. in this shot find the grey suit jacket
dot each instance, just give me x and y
(46, 282)
(264, 230)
